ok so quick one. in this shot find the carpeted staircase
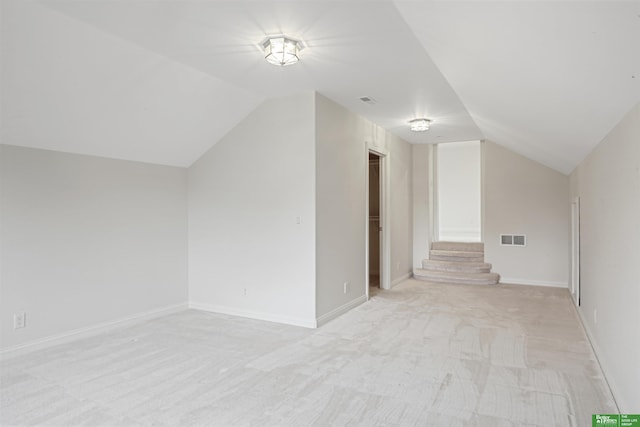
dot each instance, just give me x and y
(457, 262)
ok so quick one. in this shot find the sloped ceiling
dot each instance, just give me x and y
(548, 80)
(163, 81)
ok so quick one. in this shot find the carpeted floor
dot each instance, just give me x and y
(418, 355)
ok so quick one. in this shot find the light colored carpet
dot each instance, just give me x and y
(419, 355)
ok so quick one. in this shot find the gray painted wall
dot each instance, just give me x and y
(608, 184)
(87, 240)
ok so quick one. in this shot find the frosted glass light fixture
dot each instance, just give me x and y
(419, 125)
(281, 50)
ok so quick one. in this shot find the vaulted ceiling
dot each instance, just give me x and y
(162, 81)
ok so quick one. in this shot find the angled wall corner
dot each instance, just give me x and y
(87, 242)
(252, 217)
(522, 196)
(342, 142)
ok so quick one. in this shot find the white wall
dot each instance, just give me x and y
(459, 191)
(247, 253)
(87, 240)
(401, 204)
(525, 197)
(341, 167)
(421, 210)
(608, 184)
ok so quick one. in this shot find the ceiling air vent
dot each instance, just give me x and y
(513, 240)
(368, 100)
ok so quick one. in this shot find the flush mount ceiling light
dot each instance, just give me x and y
(419, 125)
(282, 50)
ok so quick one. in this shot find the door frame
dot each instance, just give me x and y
(575, 250)
(385, 220)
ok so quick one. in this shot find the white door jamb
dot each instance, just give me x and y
(385, 220)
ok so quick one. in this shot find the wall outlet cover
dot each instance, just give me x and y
(19, 320)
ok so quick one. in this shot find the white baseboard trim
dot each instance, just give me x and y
(340, 310)
(77, 334)
(512, 281)
(623, 408)
(402, 278)
(269, 317)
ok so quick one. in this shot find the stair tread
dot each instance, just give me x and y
(458, 246)
(454, 259)
(472, 266)
(453, 263)
(460, 254)
(456, 277)
(455, 273)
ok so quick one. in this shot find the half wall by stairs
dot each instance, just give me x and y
(457, 262)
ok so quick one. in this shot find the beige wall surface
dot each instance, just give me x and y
(87, 241)
(341, 165)
(420, 204)
(342, 138)
(401, 204)
(524, 197)
(608, 185)
(252, 217)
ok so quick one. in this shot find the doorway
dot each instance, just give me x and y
(459, 191)
(575, 250)
(375, 227)
(377, 220)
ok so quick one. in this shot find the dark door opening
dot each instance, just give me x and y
(375, 227)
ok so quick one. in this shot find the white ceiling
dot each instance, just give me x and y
(162, 81)
(548, 80)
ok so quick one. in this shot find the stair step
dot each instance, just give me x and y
(458, 246)
(456, 277)
(459, 256)
(465, 267)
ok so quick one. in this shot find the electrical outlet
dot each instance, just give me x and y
(19, 320)
(245, 292)
(346, 287)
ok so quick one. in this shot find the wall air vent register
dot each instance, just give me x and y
(513, 240)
